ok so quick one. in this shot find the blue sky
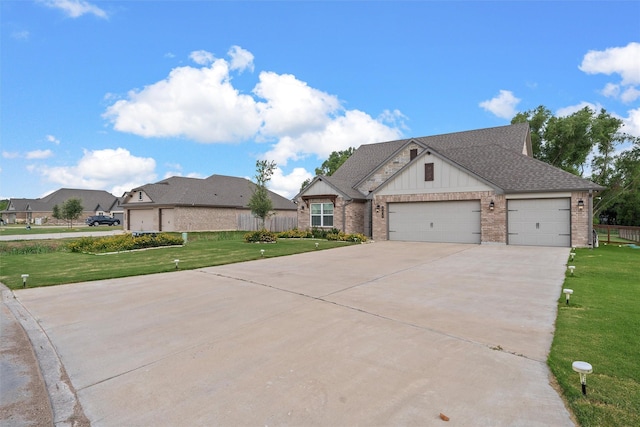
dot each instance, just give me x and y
(115, 94)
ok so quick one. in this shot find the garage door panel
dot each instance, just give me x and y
(539, 222)
(141, 220)
(453, 222)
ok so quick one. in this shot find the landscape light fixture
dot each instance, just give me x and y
(491, 205)
(571, 268)
(572, 255)
(24, 280)
(176, 261)
(262, 252)
(580, 205)
(317, 244)
(567, 294)
(583, 368)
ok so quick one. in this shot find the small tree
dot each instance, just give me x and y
(56, 212)
(70, 211)
(260, 202)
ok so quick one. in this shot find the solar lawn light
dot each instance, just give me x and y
(567, 294)
(176, 261)
(583, 368)
(571, 268)
(262, 252)
(572, 255)
(24, 280)
(317, 244)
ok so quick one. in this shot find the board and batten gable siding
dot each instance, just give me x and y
(446, 179)
(319, 187)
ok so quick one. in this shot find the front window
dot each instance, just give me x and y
(322, 214)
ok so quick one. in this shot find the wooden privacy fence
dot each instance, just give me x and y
(617, 233)
(247, 222)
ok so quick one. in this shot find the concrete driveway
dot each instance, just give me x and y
(388, 333)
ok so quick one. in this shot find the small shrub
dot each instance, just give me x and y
(123, 242)
(294, 234)
(260, 236)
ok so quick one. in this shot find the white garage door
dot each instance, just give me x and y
(453, 222)
(141, 220)
(539, 222)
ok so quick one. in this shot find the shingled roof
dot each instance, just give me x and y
(214, 191)
(91, 200)
(493, 154)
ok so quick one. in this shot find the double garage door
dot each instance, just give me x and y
(453, 222)
(534, 222)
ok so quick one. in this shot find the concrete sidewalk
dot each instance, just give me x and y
(387, 333)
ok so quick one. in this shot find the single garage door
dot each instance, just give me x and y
(166, 220)
(453, 222)
(141, 220)
(539, 222)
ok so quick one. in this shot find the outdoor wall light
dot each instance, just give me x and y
(583, 368)
(491, 205)
(571, 268)
(24, 280)
(377, 208)
(262, 252)
(580, 204)
(567, 294)
(176, 261)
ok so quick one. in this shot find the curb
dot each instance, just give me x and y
(66, 408)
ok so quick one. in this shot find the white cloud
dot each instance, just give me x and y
(503, 105)
(39, 154)
(292, 106)
(632, 123)
(616, 60)
(351, 130)
(567, 111)
(241, 59)
(10, 154)
(53, 139)
(201, 104)
(288, 185)
(196, 103)
(75, 8)
(20, 35)
(116, 171)
(202, 57)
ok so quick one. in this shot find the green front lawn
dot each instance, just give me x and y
(53, 267)
(601, 326)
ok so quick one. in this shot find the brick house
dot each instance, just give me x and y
(40, 211)
(480, 186)
(216, 203)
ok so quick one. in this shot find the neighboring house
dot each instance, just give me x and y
(480, 186)
(40, 211)
(216, 203)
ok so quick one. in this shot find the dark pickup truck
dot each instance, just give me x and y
(101, 220)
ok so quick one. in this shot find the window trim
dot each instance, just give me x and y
(322, 215)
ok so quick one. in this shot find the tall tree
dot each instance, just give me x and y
(260, 202)
(567, 142)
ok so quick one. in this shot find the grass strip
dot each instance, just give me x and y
(202, 250)
(601, 326)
